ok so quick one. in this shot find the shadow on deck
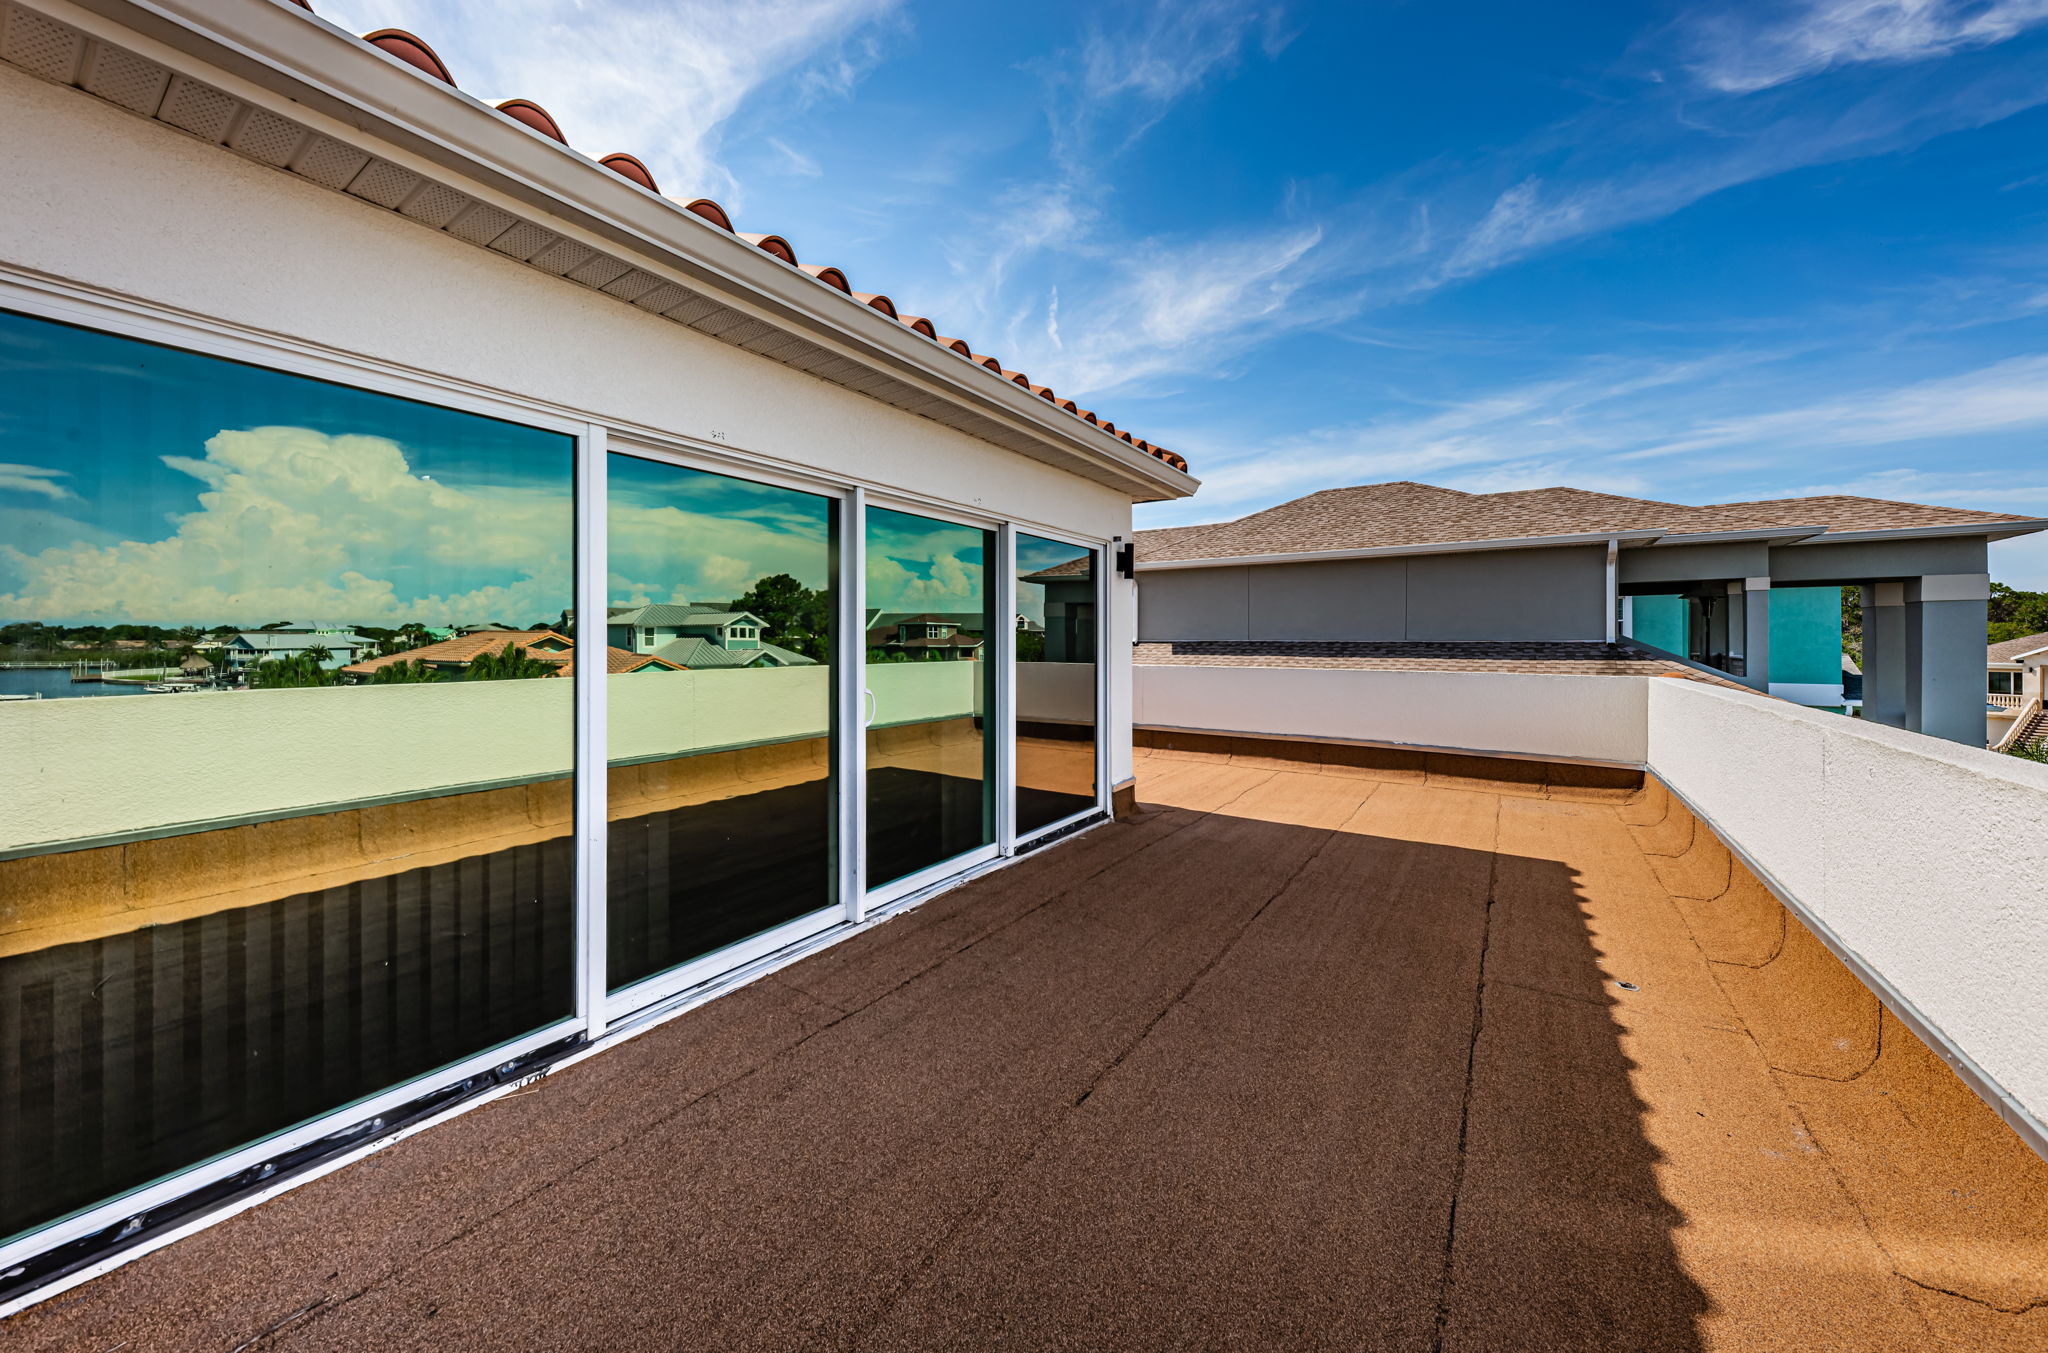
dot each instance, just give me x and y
(1288, 1060)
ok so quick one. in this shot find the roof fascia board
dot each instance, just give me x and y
(1387, 551)
(1776, 535)
(272, 48)
(1991, 530)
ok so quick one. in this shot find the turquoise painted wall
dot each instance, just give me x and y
(1660, 623)
(1806, 631)
(1806, 634)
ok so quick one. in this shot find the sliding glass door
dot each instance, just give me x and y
(1057, 681)
(363, 749)
(719, 655)
(930, 621)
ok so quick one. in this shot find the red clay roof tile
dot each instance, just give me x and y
(414, 51)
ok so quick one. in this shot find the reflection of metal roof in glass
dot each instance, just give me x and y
(273, 641)
(672, 614)
(1073, 569)
(699, 654)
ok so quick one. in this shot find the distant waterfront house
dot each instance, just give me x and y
(454, 657)
(254, 646)
(699, 636)
(923, 633)
(2015, 673)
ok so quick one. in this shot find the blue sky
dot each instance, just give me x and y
(1695, 251)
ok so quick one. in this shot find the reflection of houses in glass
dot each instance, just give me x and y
(454, 657)
(276, 645)
(1069, 590)
(927, 634)
(698, 635)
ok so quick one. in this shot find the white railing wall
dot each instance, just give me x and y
(1521, 714)
(1925, 863)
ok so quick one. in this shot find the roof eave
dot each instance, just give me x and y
(307, 65)
(1769, 535)
(1386, 551)
(1990, 530)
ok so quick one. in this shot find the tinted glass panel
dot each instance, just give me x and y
(719, 706)
(319, 844)
(1056, 716)
(930, 613)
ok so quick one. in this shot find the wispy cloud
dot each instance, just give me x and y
(1654, 429)
(2002, 397)
(658, 78)
(1735, 54)
(34, 479)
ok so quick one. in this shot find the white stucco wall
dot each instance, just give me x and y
(99, 197)
(1572, 717)
(1927, 859)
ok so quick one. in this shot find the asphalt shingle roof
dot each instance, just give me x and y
(1372, 516)
(2013, 649)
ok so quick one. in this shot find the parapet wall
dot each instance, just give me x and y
(1922, 863)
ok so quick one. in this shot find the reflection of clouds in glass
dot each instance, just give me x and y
(297, 523)
(679, 535)
(918, 564)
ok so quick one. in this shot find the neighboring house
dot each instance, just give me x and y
(1415, 565)
(453, 657)
(2015, 674)
(952, 635)
(1806, 637)
(698, 635)
(256, 646)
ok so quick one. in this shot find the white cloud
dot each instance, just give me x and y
(657, 78)
(2005, 396)
(1737, 57)
(293, 523)
(35, 479)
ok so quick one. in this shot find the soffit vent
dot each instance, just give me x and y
(199, 109)
(51, 50)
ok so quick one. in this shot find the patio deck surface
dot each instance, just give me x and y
(1292, 1059)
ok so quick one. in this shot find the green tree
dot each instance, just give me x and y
(2015, 614)
(794, 616)
(282, 673)
(512, 664)
(406, 673)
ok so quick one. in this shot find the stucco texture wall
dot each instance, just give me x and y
(1927, 859)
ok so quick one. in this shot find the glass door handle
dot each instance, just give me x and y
(873, 708)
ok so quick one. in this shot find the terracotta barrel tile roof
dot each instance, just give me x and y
(414, 51)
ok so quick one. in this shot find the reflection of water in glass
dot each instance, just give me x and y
(55, 683)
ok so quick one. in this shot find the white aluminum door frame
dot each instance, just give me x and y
(878, 898)
(1104, 562)
(615, 1006)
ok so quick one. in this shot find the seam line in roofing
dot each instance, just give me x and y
(390, 117)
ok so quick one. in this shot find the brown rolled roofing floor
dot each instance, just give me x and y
(1300, 1057)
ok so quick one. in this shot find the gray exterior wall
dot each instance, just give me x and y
(1557, 593)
